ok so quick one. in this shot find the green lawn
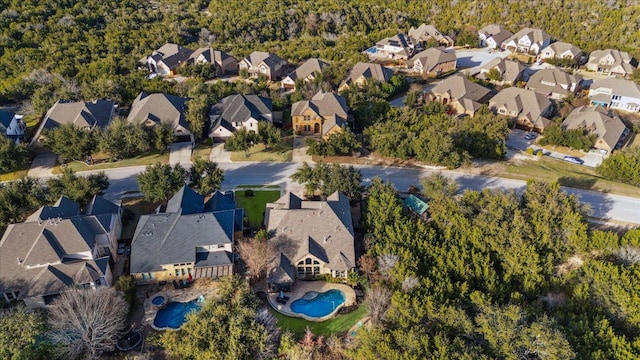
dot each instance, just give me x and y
(142, 160)
(17, 174)
(258, 186)
(202, 151)
(337, 325)
(282, 152)
(254, 206)
(566, 174)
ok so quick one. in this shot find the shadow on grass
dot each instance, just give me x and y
(579, 182)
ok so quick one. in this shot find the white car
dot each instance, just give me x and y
(530, 136)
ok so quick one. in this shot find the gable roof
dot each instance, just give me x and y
(537, 36)
(82, 114)
(212, 56)
(400, 41)
(497, 32)
(459, 88)
(416, 204)
(5, 120)
(239, 109)
(185, 201)
(425, 32)
(170, 54)
(323, 103)
(369, 71)
(526, 103)
(596, 120)
(432, 57)
(270, 59)
(307, 68)
(618, 87)
(63, 208)
(560, 47)
(621, 59)
(509, 69)
(282, 271)
(552, 80)
(159, 108)
(323, 229)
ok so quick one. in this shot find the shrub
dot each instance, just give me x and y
(248, 193)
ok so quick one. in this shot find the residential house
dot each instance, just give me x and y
(262, 63)
(561, 50)
(462, 95)
(492, 36)
(508, 71)
(223, 62)
(165, 60)
(593, 119)
(57, 248)
(616, 94)
(312, 237)
(433, 62)
(12, 126)
(530, 110)
(306, 72)
(154, 109)
(427, 34)
(397, 47)
(527, 40)
(82, 114)
(324, 114)
(190, 239)
(554, 83)
(238, 111)
(611, 62)
(363, 73)
(416, 206)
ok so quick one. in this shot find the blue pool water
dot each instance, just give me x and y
(158, 300)
(175, 314)
(321, 305)
(372, 50)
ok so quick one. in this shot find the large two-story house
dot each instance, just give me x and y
(506, 72)
(611, 62)
(493, 35)
(324, 114)
(397, 47)
(312, 238)
(224, 63)
(460, 94)
(554, 83)
(238, 111)
(426, 34)
(609, 129)
(166, 59)
(527, 40)
(190, 239)
(305, 72)
(269, 65)
(561, 50)
(364, 73)
(530, 110)
(616, 94)
(433, 62)
(57, 248)
(153, 109)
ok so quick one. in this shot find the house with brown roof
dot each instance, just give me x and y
(324, 114)
(610, 130)
(223, 62)
(86, 115)
(238, 111)
(493, 35)
(165, 60)
(312, 238)
(618, 94)
(425, 34)
(57, 248)
(529, 109)
(561, 50)
(460, 94)
(611, 62)
(364, 73)
(433, 62)
(306, 72)
(554, 83)
(153, 109)
(190, 239)
(509, 72)
(397, 47)
(267, 64)
(527, 40)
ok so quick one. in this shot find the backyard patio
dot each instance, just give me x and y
(303, 287)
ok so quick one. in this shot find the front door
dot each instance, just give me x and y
(316, 128)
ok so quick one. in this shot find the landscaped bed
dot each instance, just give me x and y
(255, 205)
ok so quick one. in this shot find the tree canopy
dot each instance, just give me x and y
(329, 178)
(206, 176)
(158, 182)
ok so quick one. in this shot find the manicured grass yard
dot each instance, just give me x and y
(149, 158)
(337, 325)
(138, 206)
(282, 152)
(254, 206)
(202, 151)
(16, 174)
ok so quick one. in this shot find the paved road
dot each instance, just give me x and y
(606, 206)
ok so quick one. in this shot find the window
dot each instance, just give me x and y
(10, 296)
(177, 272)
(220, 246)
(616, 97)
(307, 270)
(316, 270)
(308, 261)
(315, 262)
(307, 118)
(144, 276)
(184, 272)
(301, 263)
(150, 275)
(300, 270)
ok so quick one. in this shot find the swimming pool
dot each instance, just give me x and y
(158, 300)
(319, 305)
(372, 50)
(175, 314)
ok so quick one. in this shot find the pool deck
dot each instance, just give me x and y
(302, 287)
(206, 289)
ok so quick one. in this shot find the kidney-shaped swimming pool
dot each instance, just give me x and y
(322, 304)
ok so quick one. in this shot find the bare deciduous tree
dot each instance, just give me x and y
(386, 262)
(86, 322)
(378, 298)
(257, 254)
(629, 254)
(270, 348)
(409, 283)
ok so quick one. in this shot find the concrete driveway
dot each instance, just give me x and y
(476, 58)
(42, 165)
(300, 151)
(180, 154)
(219, 154)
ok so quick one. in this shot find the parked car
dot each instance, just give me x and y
(530, 136)
(573, 159)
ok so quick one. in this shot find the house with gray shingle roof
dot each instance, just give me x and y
(493, 35)
(238, 111)
(82, 114)
(262, 63)
(510, 71)
(363, 73)
(306, 72)
(223, 62)
(57, 248)
(153, 109)
(326, 113)
(166, 59)
(594, 119)
(530, 110)
(616, 94)
(554, 83)
(190, 239)
(424, 34)
(527, 40)
(312, 238)
(12, 126)
(611, 62)
(433, 62)
(561, 50)
(397, 47)
(461, 94)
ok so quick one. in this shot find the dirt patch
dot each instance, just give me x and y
(571, 264)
